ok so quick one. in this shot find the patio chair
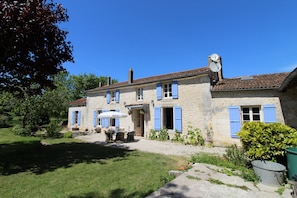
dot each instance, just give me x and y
(130, 136)
(120, 136)
(109, 136)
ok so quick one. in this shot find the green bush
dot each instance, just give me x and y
(267, 141)
(236, 155)
(53, 129)
(153, 134)
(163, 134)
(178, 137)
(68, 134)
(194, 137)
(21, 131)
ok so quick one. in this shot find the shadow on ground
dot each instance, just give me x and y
(38, 158)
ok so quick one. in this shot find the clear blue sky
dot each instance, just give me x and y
(162, 36)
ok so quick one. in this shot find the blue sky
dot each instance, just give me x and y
(162, 36)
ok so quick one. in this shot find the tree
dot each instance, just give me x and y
(79, 84)
(32, 46)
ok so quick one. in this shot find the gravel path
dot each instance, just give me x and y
(153, 146)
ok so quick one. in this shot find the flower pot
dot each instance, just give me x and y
(269, 173)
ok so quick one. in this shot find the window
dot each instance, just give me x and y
(140, 94)
(167, 90)
(168, 118)
(99, 122)
(112, 120)
(76, 117)
(113, 96)
(251, 114)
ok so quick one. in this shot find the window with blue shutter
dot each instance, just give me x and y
(95, 118)
(117, 96)
(108, 97)
(78, 118)
(234, 118)
(174, 90)
(104, 121)
(178, 119)
(159, 91)
(73, 118)
(157, 118)
(269, 113)
(117, 120)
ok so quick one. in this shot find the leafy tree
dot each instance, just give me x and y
(32, 47)
(79, 84)
(7, 102)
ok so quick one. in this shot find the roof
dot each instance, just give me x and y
(79, 102)
(266, 81)
(170, 76)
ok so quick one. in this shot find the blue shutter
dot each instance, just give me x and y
(73, 118)
(178, 118)
(95, 118)
(159, 91)
(269, 113)
(174, 90)
(103, 120)
(234, 116)
(108, 97)
(78, 118)
(117, 96)
(157, 118)
(117, 120)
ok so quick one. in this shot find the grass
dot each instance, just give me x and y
(74, 169)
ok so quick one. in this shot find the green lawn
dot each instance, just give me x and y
(74, 169)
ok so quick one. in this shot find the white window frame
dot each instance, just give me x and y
(167, 90)
(140, 94)
(251, 114)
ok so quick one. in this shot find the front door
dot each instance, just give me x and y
(139, 123)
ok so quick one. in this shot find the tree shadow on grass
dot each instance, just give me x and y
(37, 158)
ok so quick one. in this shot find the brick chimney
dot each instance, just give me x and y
(130, 76)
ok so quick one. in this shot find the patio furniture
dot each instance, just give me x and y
(120, 136)
(130, 136)
(109, 136)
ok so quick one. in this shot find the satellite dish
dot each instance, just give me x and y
(215, 57)
(215, 67)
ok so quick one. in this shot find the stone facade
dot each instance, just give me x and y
(217, 108)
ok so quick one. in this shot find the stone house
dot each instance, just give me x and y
(198, 98)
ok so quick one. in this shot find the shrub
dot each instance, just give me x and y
(21, 131)
(68, 134)
(267, 141)
(236, 155)
(153, 134)
(194, 136)
(178, 137)
(163, 134)
(53, 129)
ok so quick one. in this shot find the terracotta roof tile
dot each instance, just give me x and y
(170, 76)
(266, 81)
(79, 102)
